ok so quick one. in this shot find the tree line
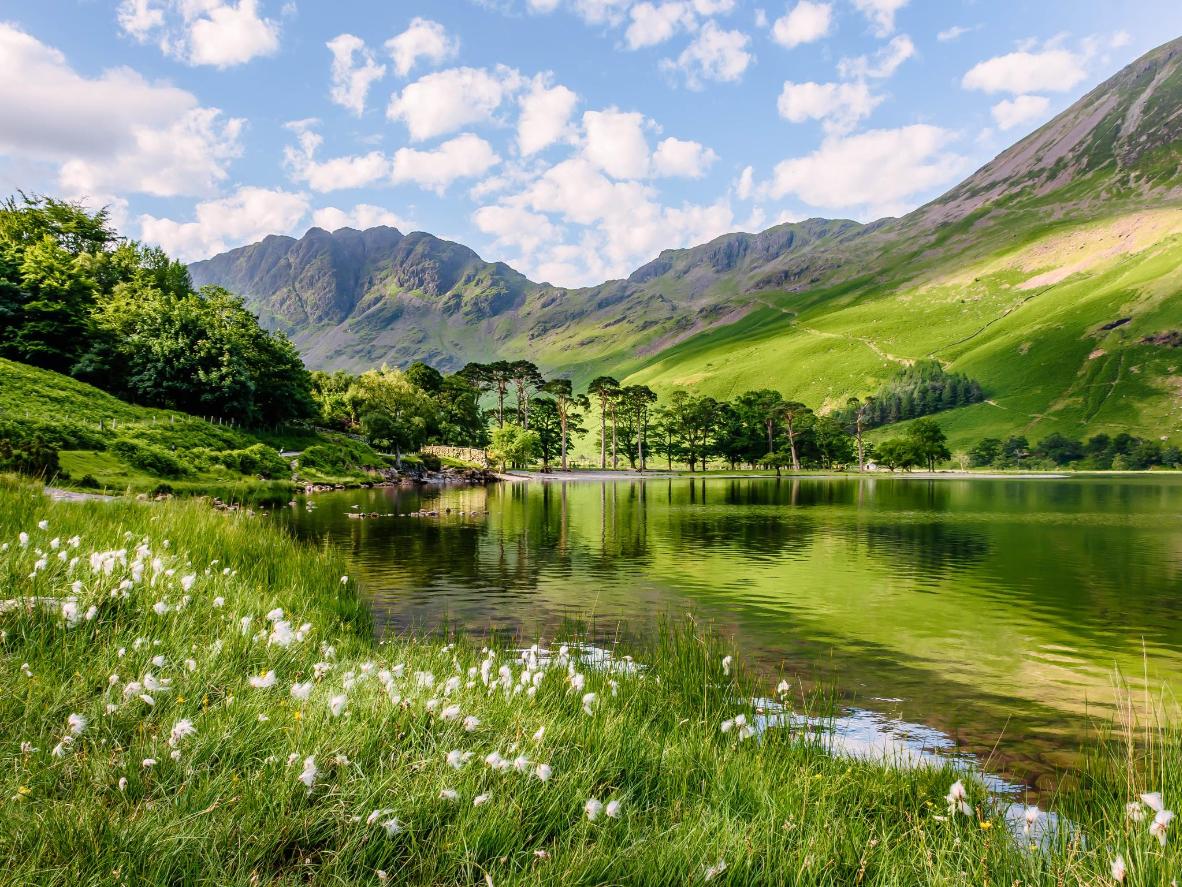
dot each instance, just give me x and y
(77, 298)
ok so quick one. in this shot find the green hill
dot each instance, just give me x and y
(1051, 275)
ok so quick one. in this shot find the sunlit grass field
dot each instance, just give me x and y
(193, 698)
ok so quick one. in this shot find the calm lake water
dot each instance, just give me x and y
(995, 612)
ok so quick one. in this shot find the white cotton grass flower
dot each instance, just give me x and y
(219, 601)
(451, 713)
(376, 815)
(76, 724)
(263, 681)
(956, 799)
(187, 582)
(160, 608)
(715, 870)
(1030, 816)
(593, 808)
(275, 615)
(122, 783)
(612, 810)
(588, 702)
(726, 665)
(23, 538)
(301, 692)
(544, 772)
(449, 794)
(336, 705)
(471, 723)
(480, 800)
(1119, 869)
(540, 734)
(1135, 811)
(457, 759)
(43, 525)
(181, 730)
(62, 747)
(148, 763)
(308, 775)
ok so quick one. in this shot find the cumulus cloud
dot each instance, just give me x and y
(350, 171)
(361, 216)
(615, 142)
(354, 71)
(110, 133)
(653, 23)
(1009, 113)
(514, 227)
(219, 33)
(880, 14)
(875, 172)
(715, 54)
(450, 100)
(745, 186)
(424, 39)
(806, 22)
(839, 105)
(882, 64)
(1024, 72)
(465, 156)
(247, 215)
(953, 33)
(545, 115)
(677, 157)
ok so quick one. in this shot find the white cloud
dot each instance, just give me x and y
(600, 12)
(354, 70)
(653, 24)
(1019, 73)
(1023, 109)
(516, 227)
(424, 39)
(465, 156)
(1120, 39)
(872, 172)
(953, 33)
(247, 215)
(542, 6)
(352, 171)
(881, 14)
(715, 54)
(545, 116)
(806, 22)
(220, 33)
(676, 157)
(840, 105)
(615, 142)
(362, 216)
(745, 186)
(111, 133)
(885, 61)
(449, 100)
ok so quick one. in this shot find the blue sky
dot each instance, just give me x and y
(574, 139)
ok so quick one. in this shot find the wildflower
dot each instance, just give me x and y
(715, 870)
(344, 580)
(450, 713)
(479, 800)
(43, 525)
(147, 700)
(494, 760)
(25, 670)
(275, 615)
(219, 601)
(544, 772)
(1119, 870)
(376, 815)
(23, 538)
(122, 783)
(27, 748)
(577, 682)
(541, 732)
(449, 794)
(302, 691)
(148, 763)
(521, 764)
(457, 759)
(726, 665)
(593, 808)
(191, 664)
(62, 747)
(392, 827)
(181, 730)
(187, 582)
(471, 723)
(320, 669)
(612, 809)
(1135, 811)
(160, 608)
(1031, 817)
(588, 701)
(956, 799)
(158, 661)
(727, 725)
(70, 614)
(308, 776)
(264, 681)
(337, 704)
(281, 634)
(91, 612)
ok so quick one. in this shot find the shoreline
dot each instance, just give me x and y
(599, 475)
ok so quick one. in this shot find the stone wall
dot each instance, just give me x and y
(463, 454)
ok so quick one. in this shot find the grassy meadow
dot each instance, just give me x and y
(190, 697)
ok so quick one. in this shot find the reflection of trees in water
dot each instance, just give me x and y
(927, 549)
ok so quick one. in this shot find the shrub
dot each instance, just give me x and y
(152, 459)
(431, 462)
(87, 482)
(33, 457)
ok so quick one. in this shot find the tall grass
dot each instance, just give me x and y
(226, 805)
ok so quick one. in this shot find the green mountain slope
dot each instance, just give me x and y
(1051, 275)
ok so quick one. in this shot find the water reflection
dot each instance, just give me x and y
(995, 611)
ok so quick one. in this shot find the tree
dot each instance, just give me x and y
(986, 452)
(425, 377)
(512, 445)
(930, 442)
(793, 413)
(860, 412)
(834, 445)
(405, 409)
(525, 378)
(637, 401)
(1060, 449)
(566, 402)
(897, 453)
(605, 388)
(458, 419)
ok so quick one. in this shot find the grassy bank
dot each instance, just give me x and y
(289, 748)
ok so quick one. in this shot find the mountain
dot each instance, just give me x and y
(1053, 275)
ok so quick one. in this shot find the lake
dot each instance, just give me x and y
(995, 614)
